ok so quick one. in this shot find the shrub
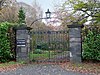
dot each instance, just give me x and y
(37, 51)
(91, 46)
(5, 52)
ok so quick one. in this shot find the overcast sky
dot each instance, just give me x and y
(45, 4)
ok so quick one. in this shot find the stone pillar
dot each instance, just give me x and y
(75, 43)
(22, 43)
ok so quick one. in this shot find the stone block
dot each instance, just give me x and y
(74, 32)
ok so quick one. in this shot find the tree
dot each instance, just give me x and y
(38, 14)
(64, 13)
(21, 16)
(9, 12)
(80, 11)
(87, 9)
(1, 3)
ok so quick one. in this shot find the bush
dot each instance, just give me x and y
(37, 51)
(44, 46)
(91, 46)
(5, 52)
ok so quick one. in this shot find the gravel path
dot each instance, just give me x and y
(41, 70)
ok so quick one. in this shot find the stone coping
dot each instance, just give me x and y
(75, 26)
(22, 27)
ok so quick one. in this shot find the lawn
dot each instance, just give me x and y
(43, 55)
(46, 55)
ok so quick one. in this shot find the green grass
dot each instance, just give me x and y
(43, 55)
(8, 64)
(40, 55)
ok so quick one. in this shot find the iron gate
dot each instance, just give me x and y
(49, 46)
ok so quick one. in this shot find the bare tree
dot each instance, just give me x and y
(8, 14)
(1, 3)
(65, 15)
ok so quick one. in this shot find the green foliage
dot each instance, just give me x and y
(5, 53)
(37, 51)
(21, 16)
(87, 8)
(80, 5)
(97, 18)
(91, 7)
(44, 46)
(91, 45)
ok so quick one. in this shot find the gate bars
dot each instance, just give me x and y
(49, 46)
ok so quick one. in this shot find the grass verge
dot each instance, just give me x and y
(10, 66)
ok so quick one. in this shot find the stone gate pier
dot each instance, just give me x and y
(22, 43)
(75, 43)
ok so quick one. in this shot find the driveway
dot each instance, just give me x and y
(40, 69)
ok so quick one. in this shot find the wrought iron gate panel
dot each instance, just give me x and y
(50, 46)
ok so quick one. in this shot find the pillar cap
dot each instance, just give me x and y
(22, 27)
(75, 25)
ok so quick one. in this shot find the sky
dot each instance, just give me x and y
(45, 4)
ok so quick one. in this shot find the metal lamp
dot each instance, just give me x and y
(48, 14)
